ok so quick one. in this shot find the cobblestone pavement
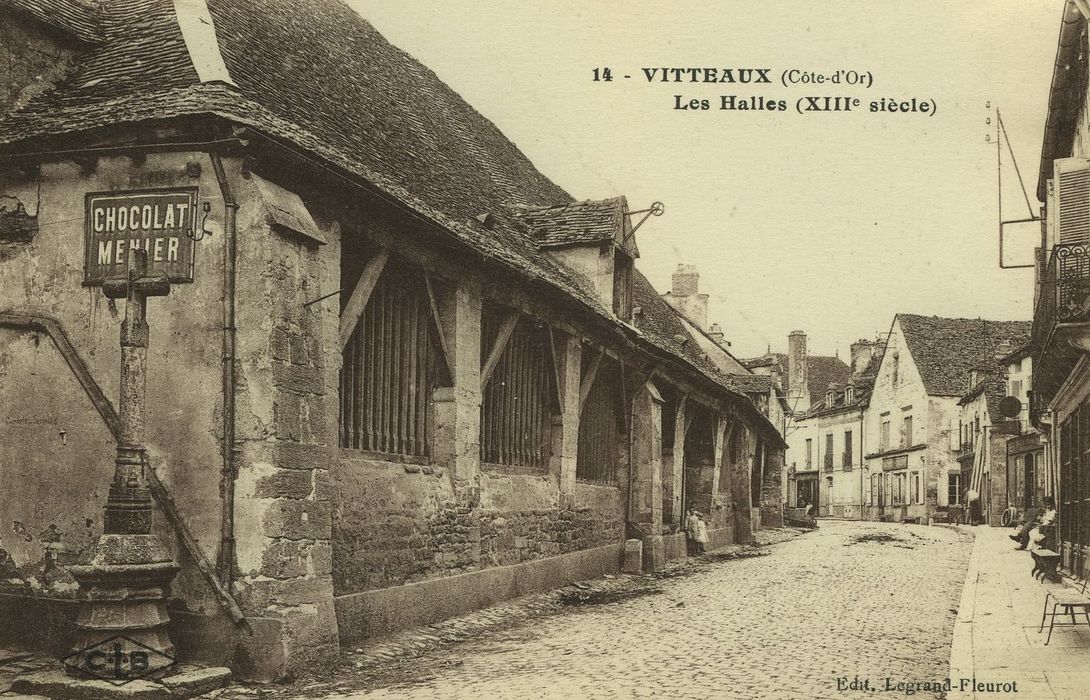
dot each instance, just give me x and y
(852, 601)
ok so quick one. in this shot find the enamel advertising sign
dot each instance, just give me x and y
(158, 221)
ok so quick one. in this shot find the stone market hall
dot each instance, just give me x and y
(399, 373)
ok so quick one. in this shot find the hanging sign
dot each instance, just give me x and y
(158, 221)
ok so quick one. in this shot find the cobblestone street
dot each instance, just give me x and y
(865, 600)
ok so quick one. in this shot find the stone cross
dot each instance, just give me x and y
(129, 507)
(124, 586)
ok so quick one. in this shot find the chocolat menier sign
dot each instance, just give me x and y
(158, 221)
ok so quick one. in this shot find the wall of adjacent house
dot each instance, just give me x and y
(55, 449)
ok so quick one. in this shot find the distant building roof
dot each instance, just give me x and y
(821, 371)
(946, 350)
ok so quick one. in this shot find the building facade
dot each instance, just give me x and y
(1060, 403)
(804, 380)
(399, 374)
(915, 415)
(829, 440)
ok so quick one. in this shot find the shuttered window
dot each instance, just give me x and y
(389, 368)
(518, 405)
(600, 427)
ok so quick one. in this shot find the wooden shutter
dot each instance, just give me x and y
(1072, 182)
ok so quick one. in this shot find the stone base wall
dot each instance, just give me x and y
(400, 525)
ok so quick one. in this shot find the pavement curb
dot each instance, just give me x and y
(961, 647)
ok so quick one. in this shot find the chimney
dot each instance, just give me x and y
(685, 295)
(716, 334)
(797, 371)
(862, 353)
(686, 281)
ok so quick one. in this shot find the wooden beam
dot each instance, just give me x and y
(364, 286)
(438, 321)
(506, 329)
(558, 386)
(588, 379)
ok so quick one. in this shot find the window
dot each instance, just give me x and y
(884, 444)
(849, 394)
(390, 365)
(895, 371)
(906, 432)
(1074, 493)
(828, 450)
(622, 285)
(874, 492)
(953, 489)
(898, 489)
(889, 487)
(848, 459)
(518, 402)
(809, 453)
(830, 398)
(914, 488)
(1016, 388)
(600, 424)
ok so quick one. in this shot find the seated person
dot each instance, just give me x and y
(1031, 531)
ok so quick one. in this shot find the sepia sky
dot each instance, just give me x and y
(829, 223)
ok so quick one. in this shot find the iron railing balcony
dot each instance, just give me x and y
(1061, 317)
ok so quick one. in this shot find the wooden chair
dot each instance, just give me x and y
(1069, 601)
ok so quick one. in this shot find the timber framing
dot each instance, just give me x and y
(433, 253)
(361, 293)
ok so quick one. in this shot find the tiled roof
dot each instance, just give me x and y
(575, 223)
(342, 93)
(994, 387)
(660, 325)
(76, 18)
(318, 76)
(821, 371)
(945, 350)
(750, 383)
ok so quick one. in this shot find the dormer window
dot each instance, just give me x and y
(622, 285)
(849, 394)
(830, 397)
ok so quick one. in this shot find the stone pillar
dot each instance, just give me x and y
(569, 352)
(722, 508)
(286, 562)
(646, 514)
(677, 470)
(740, 486)
(772, 488)
(457, 443)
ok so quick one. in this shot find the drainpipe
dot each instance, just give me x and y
(225, 563)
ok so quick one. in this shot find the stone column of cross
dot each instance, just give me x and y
(129, 506)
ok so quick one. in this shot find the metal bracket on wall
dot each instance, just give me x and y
(53, 329)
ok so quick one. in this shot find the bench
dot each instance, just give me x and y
(915, 520)
(1046, 559)
(1045, 562)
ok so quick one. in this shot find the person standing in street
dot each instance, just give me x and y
(701, 533)
(691, 524)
